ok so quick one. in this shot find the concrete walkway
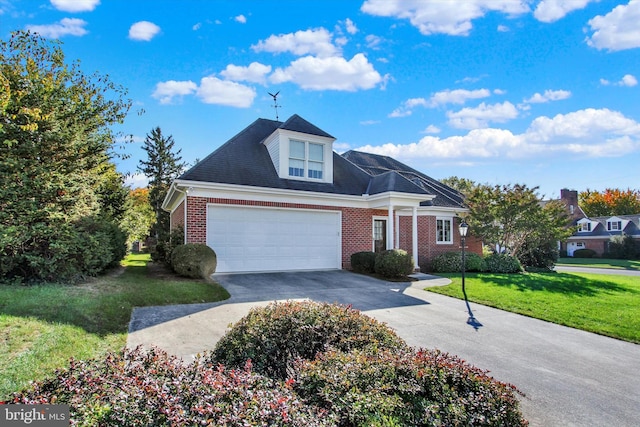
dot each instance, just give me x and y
(570, 377)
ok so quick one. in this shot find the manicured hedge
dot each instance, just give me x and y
(394, 263)
(584, 253)
(363, 262)
(195, 260)
(503, 263)
(451, 262)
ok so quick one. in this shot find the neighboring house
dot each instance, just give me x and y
(595, 233)
(276, 197)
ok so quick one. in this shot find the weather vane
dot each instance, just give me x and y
(275, 103)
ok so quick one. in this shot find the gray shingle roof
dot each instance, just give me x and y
(600, 230)
(244, 160)
(377, 165)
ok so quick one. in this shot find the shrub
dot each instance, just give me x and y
(622, 247)
(363, 262)
(412, 388)
(194, 260)
(584, 253)
(273, 337)
(394, 263)
(503, 263)
(539, 254)
(451, 262)
(151, 388)
(162, 249)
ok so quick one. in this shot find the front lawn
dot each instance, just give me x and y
(600, 263)
(42, 327)
(607, 305)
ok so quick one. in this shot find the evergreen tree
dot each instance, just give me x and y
(162, 166)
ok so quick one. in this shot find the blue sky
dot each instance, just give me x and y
(543, 93)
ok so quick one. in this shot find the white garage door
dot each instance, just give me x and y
(265, 239)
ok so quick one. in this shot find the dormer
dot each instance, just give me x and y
(616, 224)
(585, 225)
(301, 151)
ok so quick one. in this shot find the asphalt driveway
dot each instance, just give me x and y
(570, 377)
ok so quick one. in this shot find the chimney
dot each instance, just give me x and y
(570, 198)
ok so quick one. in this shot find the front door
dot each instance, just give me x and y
(379, 235)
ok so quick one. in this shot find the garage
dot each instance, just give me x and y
(248, 239)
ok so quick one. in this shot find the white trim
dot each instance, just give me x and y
(375, 218)
(414, 237)
(444, 218)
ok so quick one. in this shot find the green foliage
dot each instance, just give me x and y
(195, 260)
(405, 388)
(150, 388)
(584, 253)
(55, 145)
(162, 166)
(542, 254)
(451, 262)
(462, 185)
(363, 262)
(503, 263)
(139, 215)
(623, 247)
(512, 216)
(273, 337)
(611, 201)
(67, 252)
(394, 263)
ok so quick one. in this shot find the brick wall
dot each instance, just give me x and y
(357, 228)
(177, 216)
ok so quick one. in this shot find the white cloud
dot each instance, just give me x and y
(255, 72)
(553, 10)
(166, 91)
(628, 80)
(212, 90)
(549, 95)
(443, 17)
(373, 42)
(315, 42)
(75, 5)
(456, 96)
(590, 132)
(241, 19)
(431, 129)
(350, 26)
(66, 27)
(334, 73)
(197, 26)
(137, 180)
(503, 28)
(482, 115)
(143, 30)
(618, 29)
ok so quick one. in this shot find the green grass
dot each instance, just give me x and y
(600, 263)
(604, 304)
(42, 327)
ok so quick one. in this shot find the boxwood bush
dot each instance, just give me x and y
(363, 262)
(394, 263)
(406, 388)
(584, 253)
(194, 260)
(139, 388)
(503, 263)
(451, 262)
(273, 337)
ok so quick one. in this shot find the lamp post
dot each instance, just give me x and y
(463, 228)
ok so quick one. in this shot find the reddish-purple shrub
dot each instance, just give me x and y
(151, 388)
(417, 388)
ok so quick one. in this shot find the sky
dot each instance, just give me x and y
(543, 93)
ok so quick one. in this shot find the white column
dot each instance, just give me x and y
(414, 236)
(390, 233)
(397, 240)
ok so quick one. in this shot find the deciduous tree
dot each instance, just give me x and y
(611, 201)
(55, 147)
(513, 217)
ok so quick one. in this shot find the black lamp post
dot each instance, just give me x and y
(463, 228)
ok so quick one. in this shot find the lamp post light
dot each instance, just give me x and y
(463, 228)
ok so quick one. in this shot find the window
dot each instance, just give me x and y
(306, 157)
(614, 225)
(585, 226)
(443, 231)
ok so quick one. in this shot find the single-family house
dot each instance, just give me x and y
(595, 233)
(276, 197)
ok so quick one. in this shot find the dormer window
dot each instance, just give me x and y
(585, 226)
(614, 225)
(306, 159)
